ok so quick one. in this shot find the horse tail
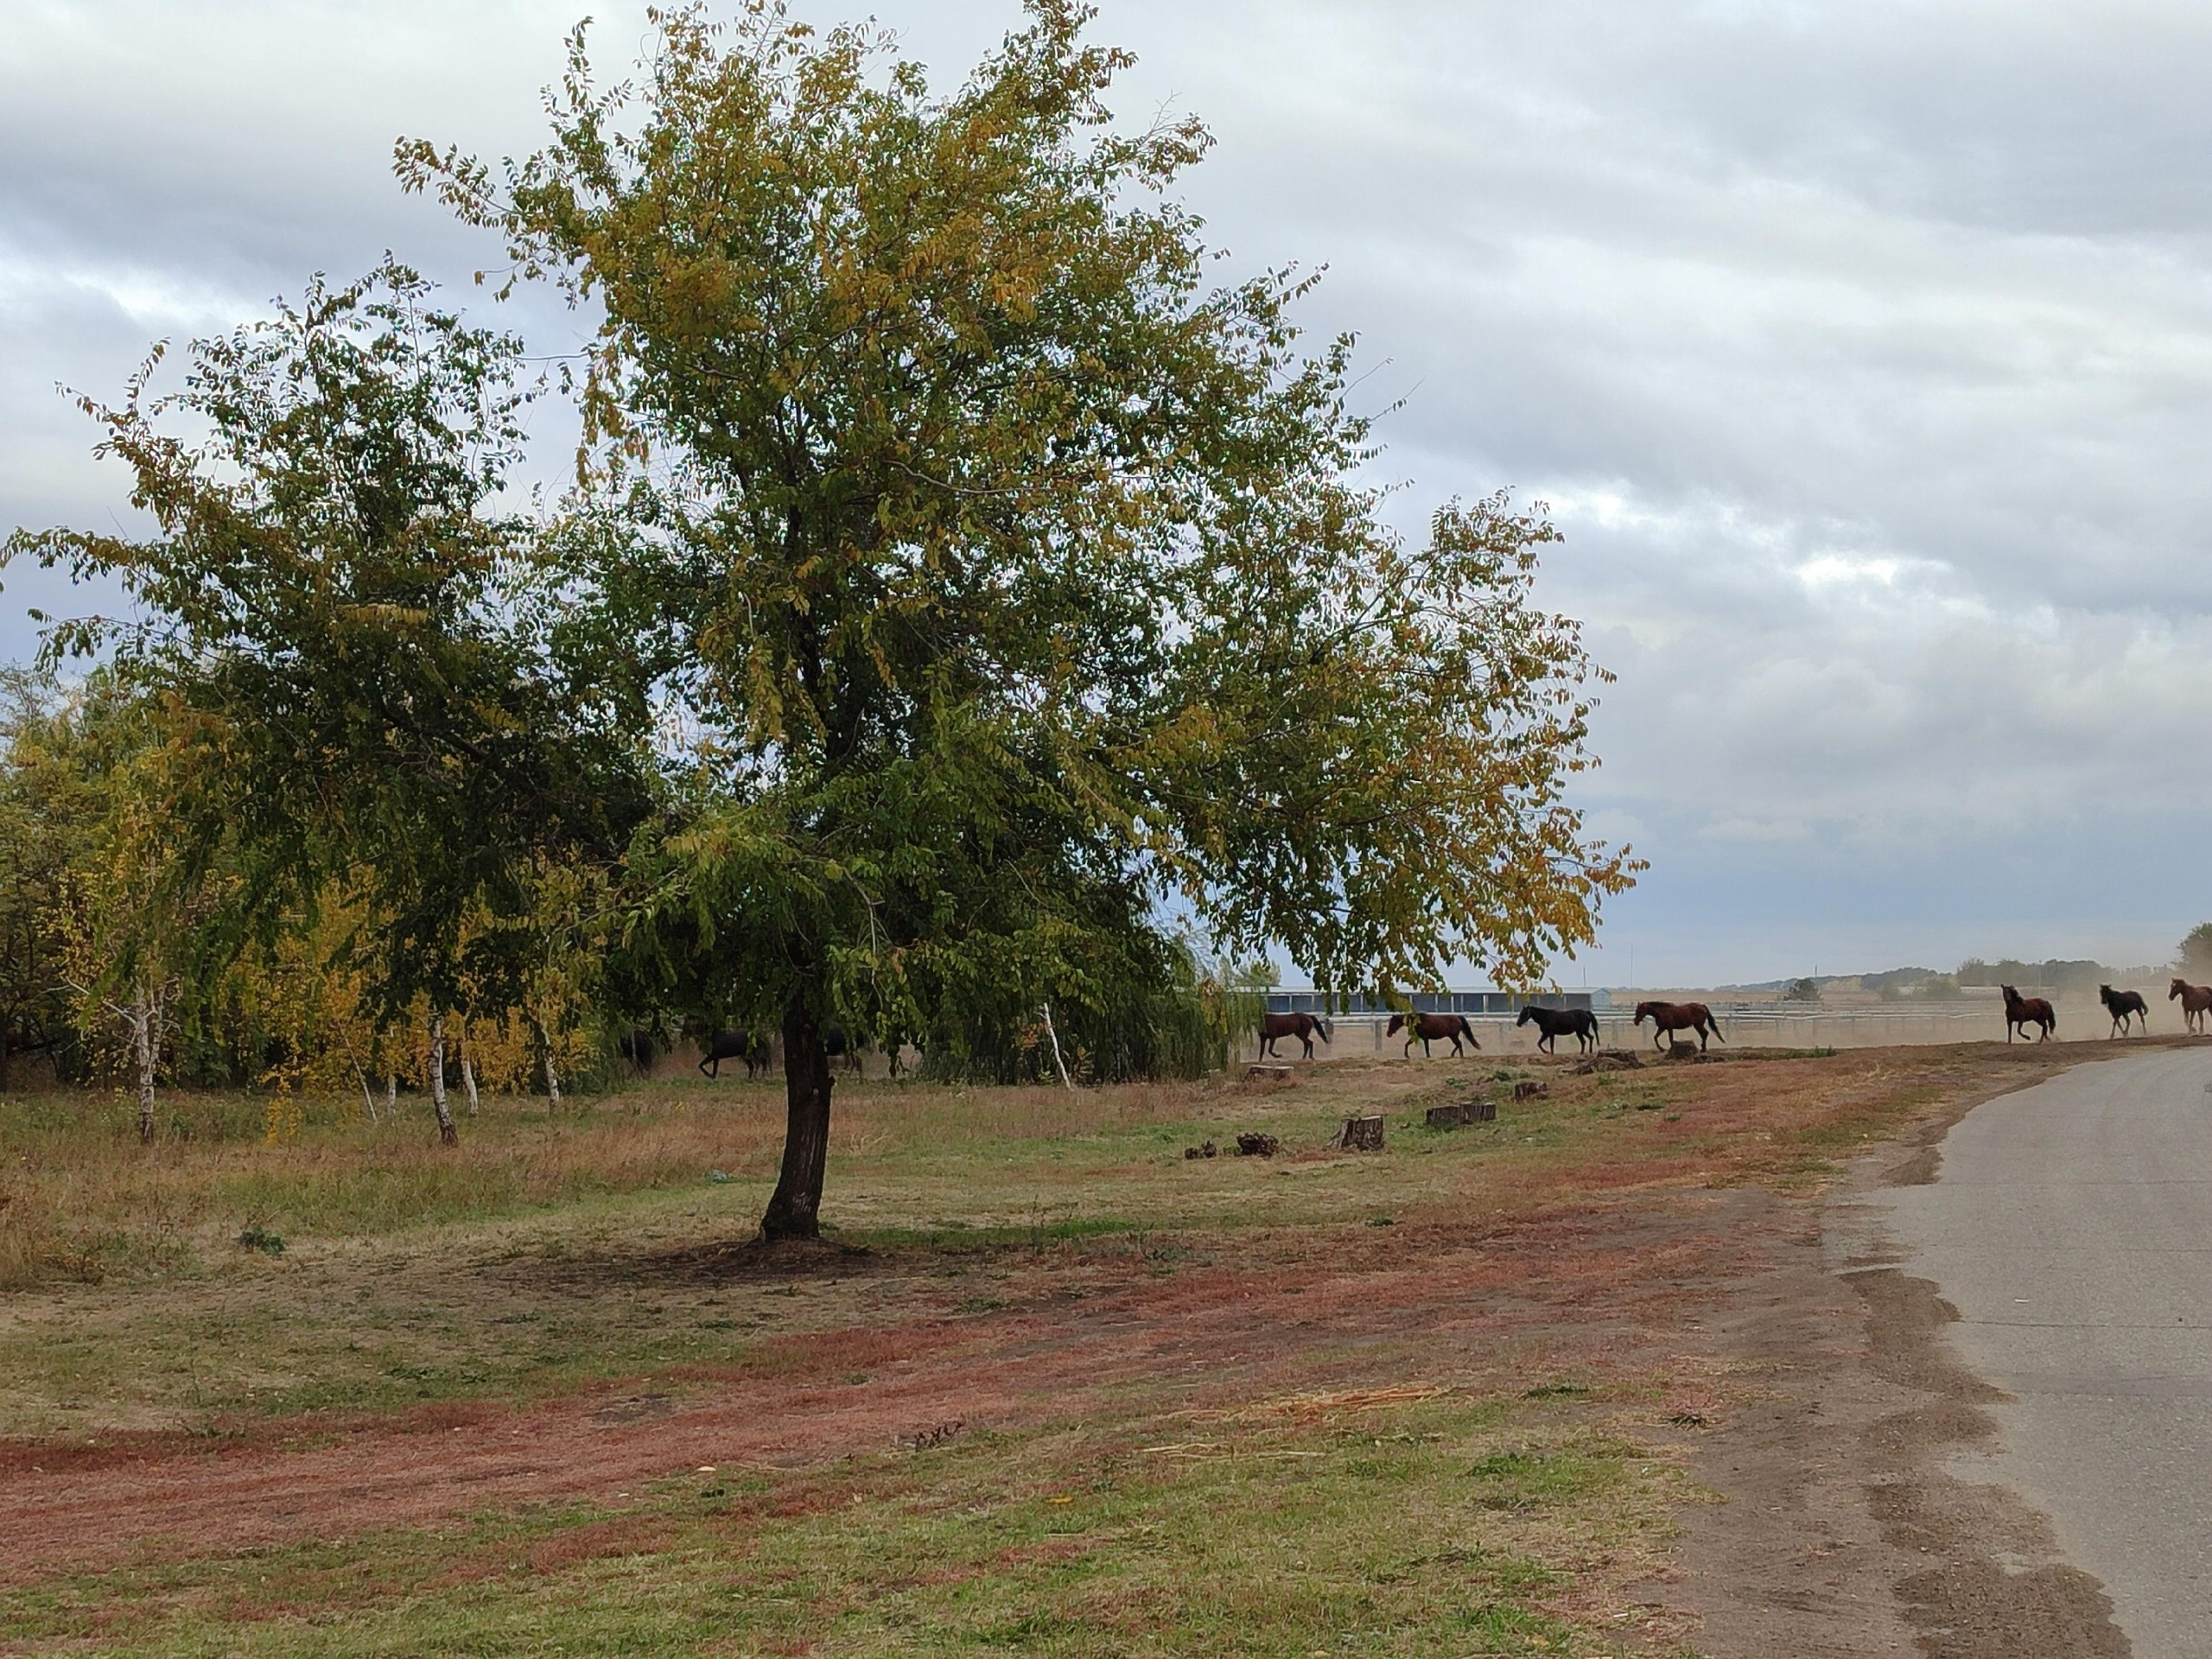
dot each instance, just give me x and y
(1322, 1027)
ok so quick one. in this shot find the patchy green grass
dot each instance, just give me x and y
(552, 1257)
(1449, 1526)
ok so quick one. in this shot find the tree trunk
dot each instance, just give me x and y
(1061, 1063)
(446, 1131)
(795, 1211)
(552, 1077)
(367, 1099)
(469, 1077)
(146, 1047)
(391, 1093)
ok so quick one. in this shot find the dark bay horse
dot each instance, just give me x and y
(2124, 1007)
(735, 1046)
(1578, 1023)
(1667, 1018)
(1304, 1027)
(1433, 1028)
(2025, 1011)
(2194, 1000)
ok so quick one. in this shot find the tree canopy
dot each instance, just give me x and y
(1015, 584)
(352, 701)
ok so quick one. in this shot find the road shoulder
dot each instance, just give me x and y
(1843, 1529)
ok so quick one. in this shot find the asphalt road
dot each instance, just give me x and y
(2071, 1226)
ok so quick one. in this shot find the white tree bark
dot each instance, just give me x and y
(446, 1132)
(1061, 1063)
(467, 1072)
(144, 1021)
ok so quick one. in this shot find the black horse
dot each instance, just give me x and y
(735, 1046)
(640, 1046)
(842, 1047)
(2124, 1007)
(1578, 1023)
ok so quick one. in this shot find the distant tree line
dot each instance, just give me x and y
(2066, 975)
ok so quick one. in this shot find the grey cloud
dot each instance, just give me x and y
(1865, 349)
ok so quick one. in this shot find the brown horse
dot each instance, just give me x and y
(2125, 1007)
(1304, 1027)
(1433, 1028)
(2025, 1011)
(2195, 1001)
(1667, 1018)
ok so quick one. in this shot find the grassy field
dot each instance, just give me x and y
(1054, 1387)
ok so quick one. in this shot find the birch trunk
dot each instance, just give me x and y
(367, 1099)
(468, 1076)
(1060, 1064)
(552, 1077)
(446, 1130)
(145, 1019)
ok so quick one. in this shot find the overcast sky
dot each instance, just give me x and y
(1864, 352)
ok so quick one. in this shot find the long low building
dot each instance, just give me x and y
(1482, 1004)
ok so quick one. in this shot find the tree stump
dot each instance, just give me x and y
(1205, 1151)
(1265, 1071)
(1678, 1049)
(1360, 1134)
(1603, 1062)
(1529, 1088)
(1257, 1146)
(1469, 1111)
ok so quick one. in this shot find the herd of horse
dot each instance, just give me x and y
(2021, 1013)
(1551, 1024)
(2125, 1009)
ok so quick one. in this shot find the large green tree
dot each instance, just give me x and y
(328, 630)
(1010, 579)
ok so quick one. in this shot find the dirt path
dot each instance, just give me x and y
(1598, 1289)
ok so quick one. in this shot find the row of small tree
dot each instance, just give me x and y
(958, 586)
